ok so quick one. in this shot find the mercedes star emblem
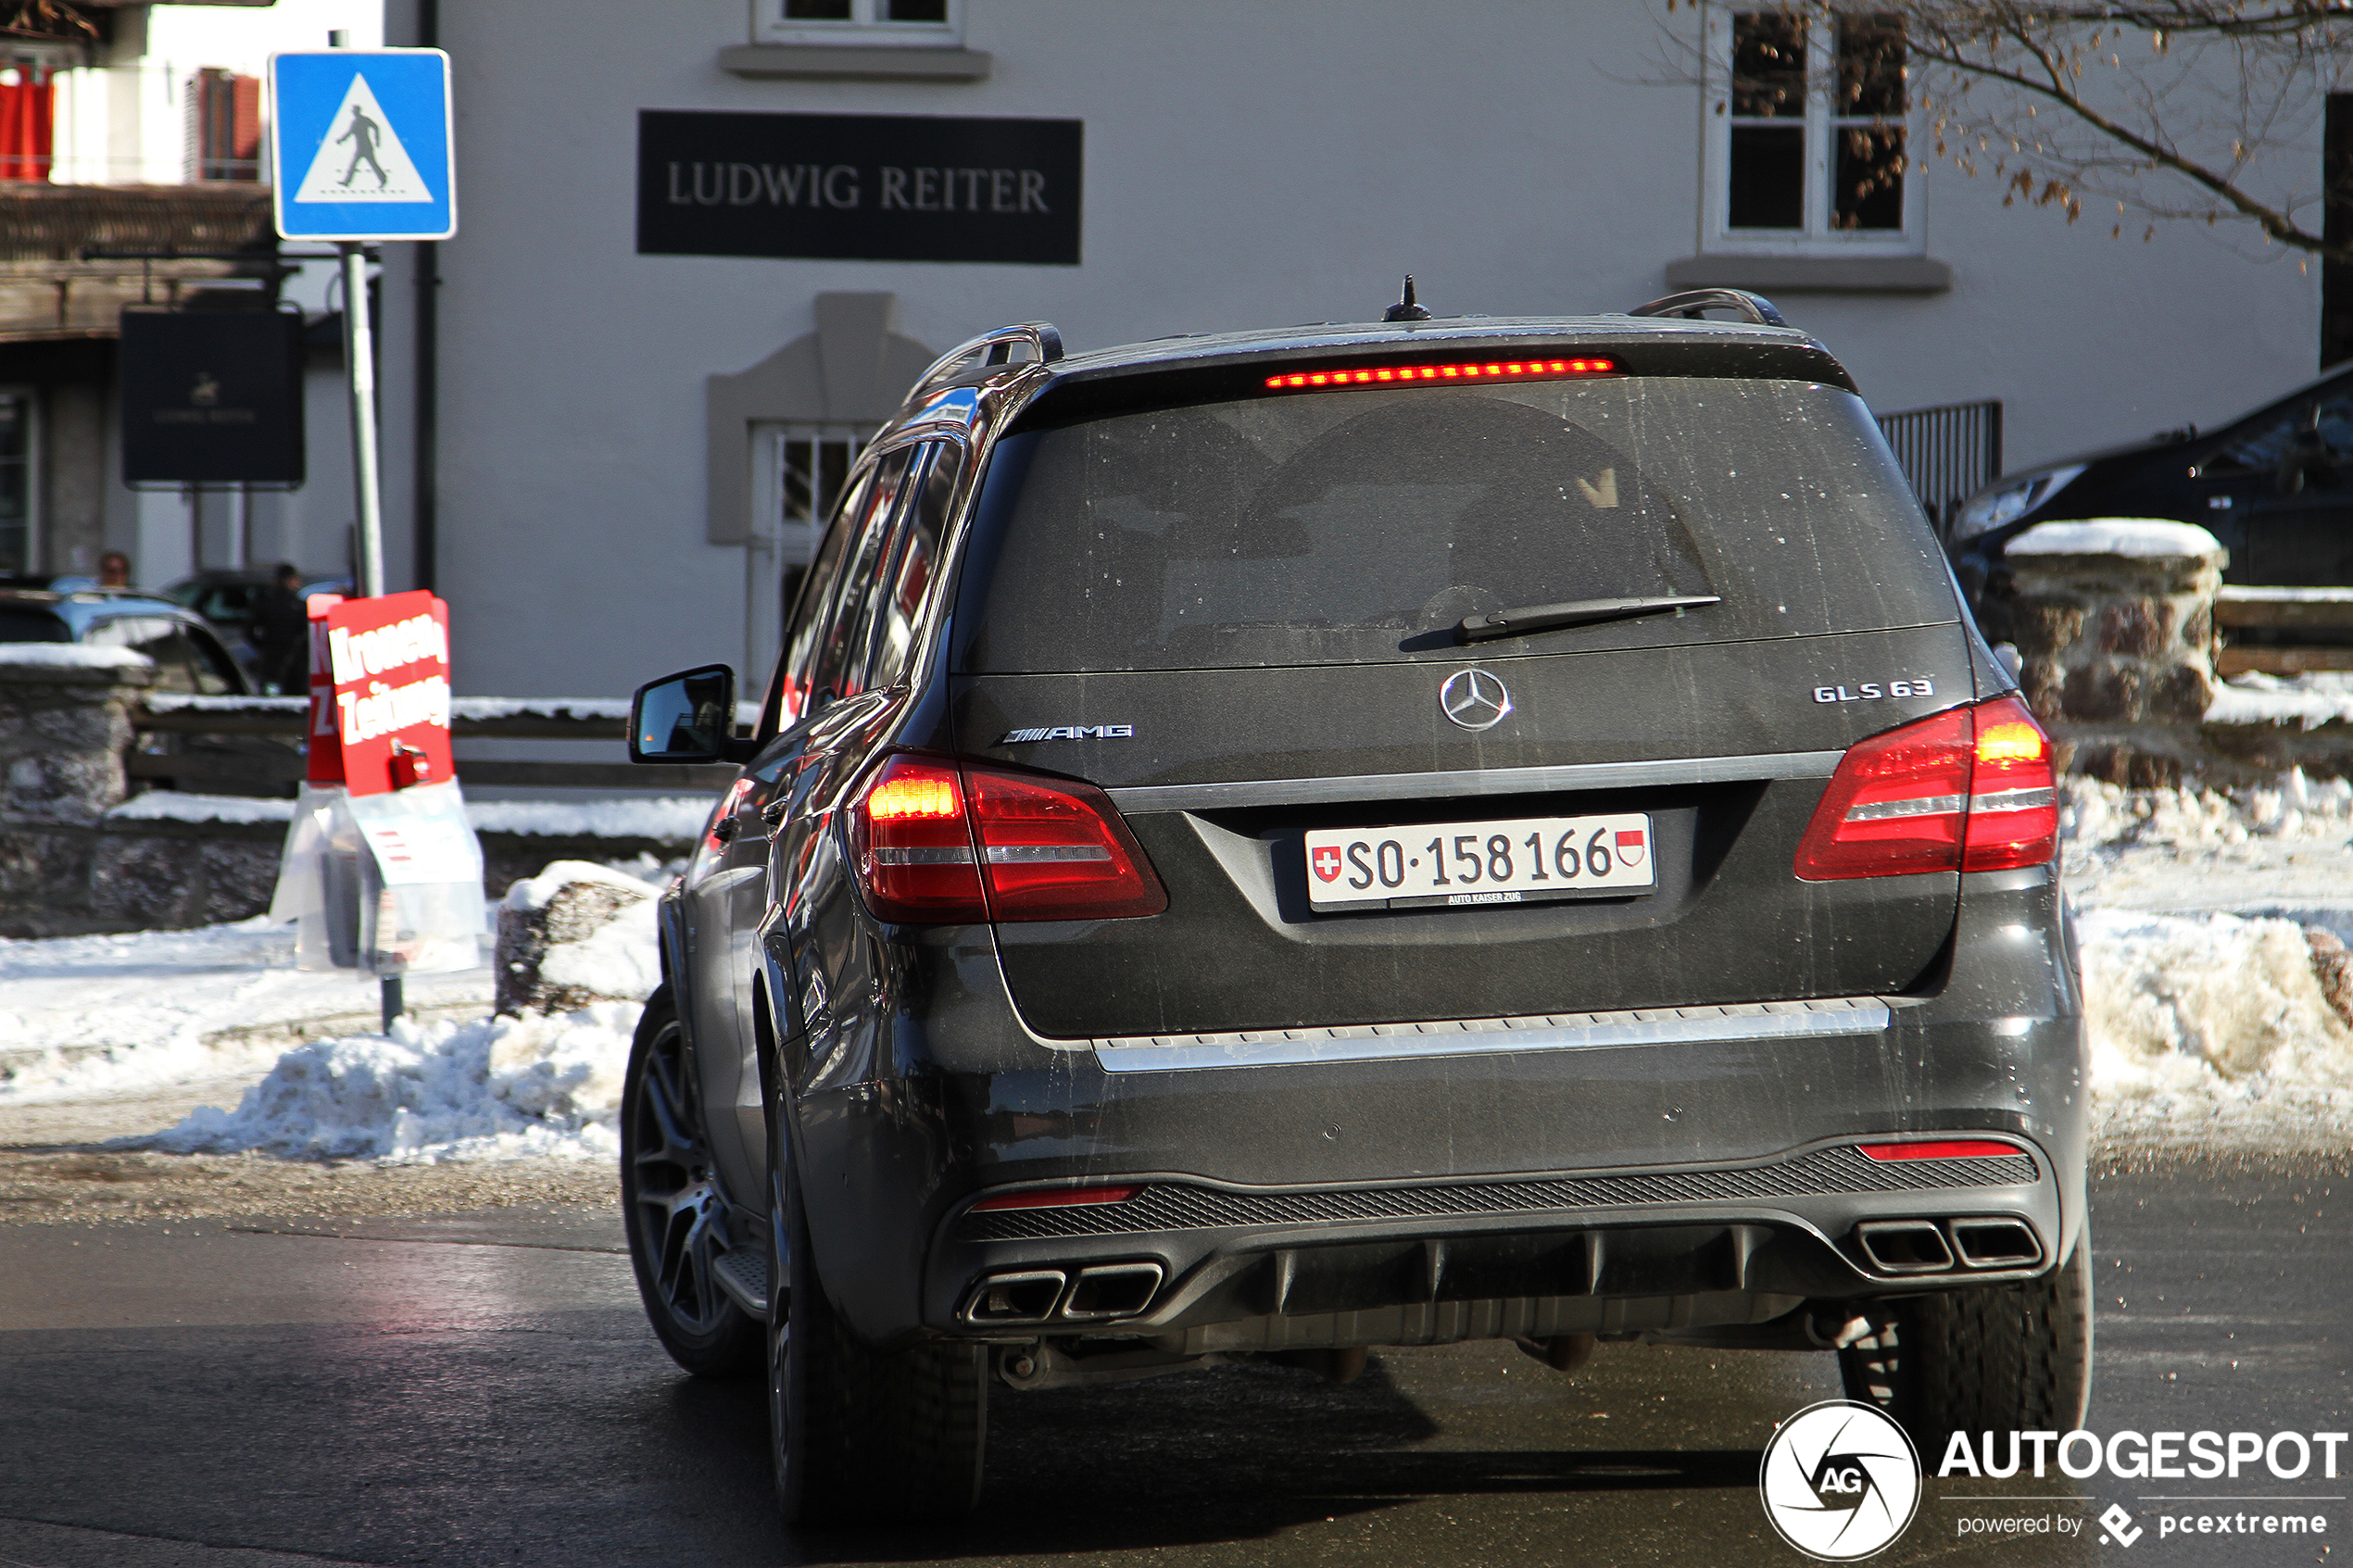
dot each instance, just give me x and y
(1474, 699)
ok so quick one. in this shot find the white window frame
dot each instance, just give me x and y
(1817, 238)
(35, 534)
(776, 538)
(865, 25)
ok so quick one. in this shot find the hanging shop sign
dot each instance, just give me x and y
(211, 397)
(859, 186)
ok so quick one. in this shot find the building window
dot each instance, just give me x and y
(859, 22)
(1807, 134)
(798, 473)
(17, 481)
(225, 142)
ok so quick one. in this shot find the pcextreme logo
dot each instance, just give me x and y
(1839, 1481)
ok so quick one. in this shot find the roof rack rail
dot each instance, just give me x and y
(994, 347)
(1695, 303)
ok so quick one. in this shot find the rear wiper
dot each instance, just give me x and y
(1582, 612)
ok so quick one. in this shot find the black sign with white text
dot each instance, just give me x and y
(858, 187)
(211, 397)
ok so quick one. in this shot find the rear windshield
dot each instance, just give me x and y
(1362, 526)
(32, 626)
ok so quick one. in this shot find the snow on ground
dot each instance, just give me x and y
(669, 818)
(94, 1015)
(2256, 698)
(489, 1088)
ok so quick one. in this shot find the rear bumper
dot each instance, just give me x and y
(905, 1126)
(1202, 1268)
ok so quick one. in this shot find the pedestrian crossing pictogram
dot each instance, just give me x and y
(360, 158)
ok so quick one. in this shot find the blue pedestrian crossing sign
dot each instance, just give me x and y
(362, 145)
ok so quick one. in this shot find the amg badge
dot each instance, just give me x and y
(1070, 732)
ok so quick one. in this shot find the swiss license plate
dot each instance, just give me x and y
(1519, 860)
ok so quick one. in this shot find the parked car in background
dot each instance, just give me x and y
(189, 657)
(2275, 488)
(226, 598)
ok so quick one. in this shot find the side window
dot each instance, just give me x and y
(920, 540)
(789, 693)
(2326, 430)
(215, 673)
(841, 668)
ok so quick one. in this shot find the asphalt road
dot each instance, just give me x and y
(482, 1390)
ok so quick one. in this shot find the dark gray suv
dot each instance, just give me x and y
(1270, 845)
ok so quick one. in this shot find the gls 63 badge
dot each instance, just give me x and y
(1839, 1481)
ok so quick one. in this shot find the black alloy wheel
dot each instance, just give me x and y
(674, 1207)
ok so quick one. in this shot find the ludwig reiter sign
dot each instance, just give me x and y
(858, 187)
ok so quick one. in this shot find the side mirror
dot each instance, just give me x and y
(689, 717)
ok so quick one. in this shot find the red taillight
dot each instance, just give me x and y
(1058, 1197)
(1486, 369)
(1969, 1149)
(2013, 801)
(1054, 849)
(927, 833)
(913, 846)
(1968, 789)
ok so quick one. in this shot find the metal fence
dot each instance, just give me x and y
(1947, 453)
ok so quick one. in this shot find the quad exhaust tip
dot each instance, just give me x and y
(1096, 1294)
(1934, 1247)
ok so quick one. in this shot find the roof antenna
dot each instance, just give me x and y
(1405, 310)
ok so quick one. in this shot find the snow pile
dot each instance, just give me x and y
(510, 1086)
(72, 656)
(2212, 1020)
(494, 1088)
(2146, 538)
(2306, 701)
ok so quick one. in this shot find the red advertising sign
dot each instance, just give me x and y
(388, 660)
(325, 751)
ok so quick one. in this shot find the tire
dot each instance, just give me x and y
(859, 1436)
(673, 1206)
(1996, 1358)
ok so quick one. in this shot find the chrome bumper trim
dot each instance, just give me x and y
(1483, 1036)
(1475, 782)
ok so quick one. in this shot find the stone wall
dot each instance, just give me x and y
(70, 863)
(2114, 624)
(63, 728)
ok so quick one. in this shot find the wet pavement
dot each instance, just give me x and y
(481, 1390)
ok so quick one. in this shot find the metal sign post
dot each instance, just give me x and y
(359, 355)
(363, 151)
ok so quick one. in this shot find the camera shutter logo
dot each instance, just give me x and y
(1839, 1481)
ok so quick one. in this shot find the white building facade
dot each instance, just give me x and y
(624, 435)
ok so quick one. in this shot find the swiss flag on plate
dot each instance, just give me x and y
(1327, 864)
(1629, 845)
